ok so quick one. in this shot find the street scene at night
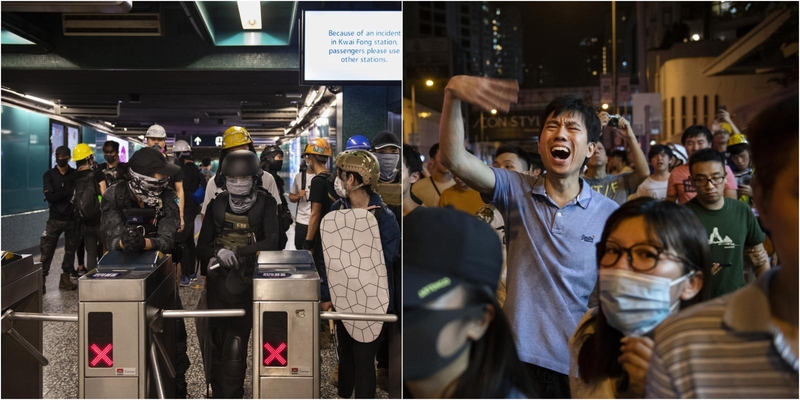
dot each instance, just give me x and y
(600, 200)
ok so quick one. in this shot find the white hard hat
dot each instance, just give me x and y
(156, 131)
(679, 151)
(181, 146)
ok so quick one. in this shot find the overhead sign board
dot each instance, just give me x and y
(351, 46)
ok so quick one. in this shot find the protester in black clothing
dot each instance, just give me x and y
(386, 148)
(58, 190)
(192, 181)
(86, 203)
(317, 154)
(239, 223)
(272, 162)
(113, 170)
(143, 214)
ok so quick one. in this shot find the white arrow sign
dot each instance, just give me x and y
(197, 141)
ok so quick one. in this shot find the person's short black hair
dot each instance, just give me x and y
(206, 161)
(696, 130)
(574, 104)
(110, 146)
(536, 161)
(519, 151)
(738, 149)
(773, 138)
(704, 156)
(434, 149)
(412, 159)
(621, 154)
(658, 149)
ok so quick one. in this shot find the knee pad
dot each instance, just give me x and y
(235, 349)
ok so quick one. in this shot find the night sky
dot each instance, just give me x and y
(554, 30)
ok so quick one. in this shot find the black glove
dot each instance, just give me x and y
(308, 245)
(132, 239)
(227, 258)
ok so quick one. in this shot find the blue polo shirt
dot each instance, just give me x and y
(552, 266)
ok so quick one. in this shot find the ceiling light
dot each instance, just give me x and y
(250, 14)
(125, 129)
(494, 111)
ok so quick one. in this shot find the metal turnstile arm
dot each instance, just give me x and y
(234, 312)
(357, 317)
(19, 316)
(27, 346)
(156, 372)
(162, 351)
(10, 316)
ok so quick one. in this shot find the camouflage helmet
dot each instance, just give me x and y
(361, 162)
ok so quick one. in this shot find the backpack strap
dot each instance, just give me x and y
(218, 213)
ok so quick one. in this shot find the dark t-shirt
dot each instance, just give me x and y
(111, 175)
(730, 230)
(58, 191)
(192, 180)
(322, 192)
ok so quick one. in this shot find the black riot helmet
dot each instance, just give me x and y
(240, 163)
(269, 153)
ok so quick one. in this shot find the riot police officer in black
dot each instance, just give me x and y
(143, 214)
(239, 223)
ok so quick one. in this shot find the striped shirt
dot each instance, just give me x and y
(728, 347)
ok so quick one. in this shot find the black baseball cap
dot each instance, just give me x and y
(148, 161)
(444, 247)
(385, 139)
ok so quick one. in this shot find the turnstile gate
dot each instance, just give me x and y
(22, 358)
(118, 303)
(286, 321)
(285, 326)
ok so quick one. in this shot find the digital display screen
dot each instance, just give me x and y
(101, 339)
(275, 333)
(352, 46)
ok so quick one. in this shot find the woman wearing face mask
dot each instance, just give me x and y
(651, 258)
(456, 340)
(241, 221)
(357, 171)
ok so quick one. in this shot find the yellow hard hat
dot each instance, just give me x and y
(320, 147)
(726, 127)
(737, 139)
(81, 152)
(235, 136)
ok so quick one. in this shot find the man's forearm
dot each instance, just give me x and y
(454, 156)
(451, 132)
(313, 225)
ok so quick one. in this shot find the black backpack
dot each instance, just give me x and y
(85, 199)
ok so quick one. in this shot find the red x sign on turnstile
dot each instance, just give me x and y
(101, 355)
(274, 354)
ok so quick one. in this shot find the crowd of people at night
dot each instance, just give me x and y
(578, 271)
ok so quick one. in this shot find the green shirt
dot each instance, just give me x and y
(730, 229)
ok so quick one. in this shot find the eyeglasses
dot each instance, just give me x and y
(715, 180)
(642, 257)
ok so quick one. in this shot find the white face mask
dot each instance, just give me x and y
(338, 185)
(636, 303)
